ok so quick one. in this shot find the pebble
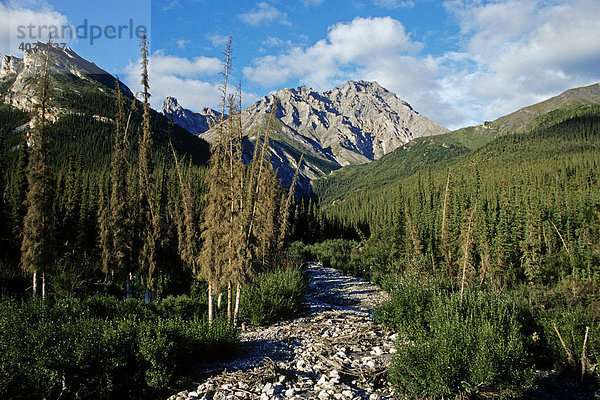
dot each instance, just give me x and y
(333, 351)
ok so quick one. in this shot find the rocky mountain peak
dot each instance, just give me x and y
(194, 122)
(355, 123)
(16, 73)
(171, 105)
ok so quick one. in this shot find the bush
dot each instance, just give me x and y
(273, 295)
(184, 307)
(340, 254)
(450, 347)
(297, 254)
(100, 348)
(571, 323)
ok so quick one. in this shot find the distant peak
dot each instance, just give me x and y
(170, 103)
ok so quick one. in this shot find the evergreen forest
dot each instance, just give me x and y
(129, 246)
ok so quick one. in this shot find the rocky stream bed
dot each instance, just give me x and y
(332, 351)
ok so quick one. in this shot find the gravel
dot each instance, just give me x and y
(332, 351)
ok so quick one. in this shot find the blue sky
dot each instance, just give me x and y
(458, 62)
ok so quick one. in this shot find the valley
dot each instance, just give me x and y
(331, 245)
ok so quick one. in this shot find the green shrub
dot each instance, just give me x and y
(297, 254)
(571, 323)
(273, 295)
(449, 347)
(340, 254)
(100, 348)
(184, 307)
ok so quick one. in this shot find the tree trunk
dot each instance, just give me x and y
(129, 285)
(229, 301)
(219, 300)
(43, 285)
(238, 293)
(34, 283)
(210, 303)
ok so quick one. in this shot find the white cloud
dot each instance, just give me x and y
(394, 3)
(21, 24)
(362, 42)
(163, 64)
(194, 82)
(171, 5)
(524, 51)
(218, 41)
(312, 2)
(271, 41)
(182, 43)
(264, 13)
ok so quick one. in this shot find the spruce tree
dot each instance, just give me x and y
(216, 228)
(148, 221)
(115, 219)
(37, 245)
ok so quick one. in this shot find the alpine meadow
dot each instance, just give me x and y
(237, 201)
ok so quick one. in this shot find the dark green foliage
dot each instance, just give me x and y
(536, 218)
(450, 346)
(273, 295)
(101, 348)
(515, 220)
(340, 254)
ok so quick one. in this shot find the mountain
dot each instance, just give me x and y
(83, 103)
(353, 124)
(16, 74)
(444, 151)
(530, 117)
(194, 122)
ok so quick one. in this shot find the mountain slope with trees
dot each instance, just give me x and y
(421, 154)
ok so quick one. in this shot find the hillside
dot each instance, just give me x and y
(537, 160)
(83, 107)
(441, 151)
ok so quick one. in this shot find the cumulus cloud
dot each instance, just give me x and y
(17, 19)
(163, 64)
(194, 82)
(524, 51)
(264, 13)
(364, 41)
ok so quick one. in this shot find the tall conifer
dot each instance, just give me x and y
(146, 201)
(37, 247)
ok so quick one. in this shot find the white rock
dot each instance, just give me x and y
(323, 395)
(268, 388)
(322, 381)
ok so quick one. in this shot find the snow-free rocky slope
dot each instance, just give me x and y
(194, 122)
(355, 123)
(18, 74)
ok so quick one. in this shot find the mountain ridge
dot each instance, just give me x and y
(352, 124)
